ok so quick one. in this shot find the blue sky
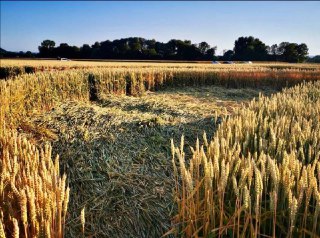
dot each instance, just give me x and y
(24, 25)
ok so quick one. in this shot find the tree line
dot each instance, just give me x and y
(250, 48)
(131, 48)
(245, 49)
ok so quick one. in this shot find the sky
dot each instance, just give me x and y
(24, 25)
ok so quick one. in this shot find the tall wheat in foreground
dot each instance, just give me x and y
(260, 174)
(33, 196)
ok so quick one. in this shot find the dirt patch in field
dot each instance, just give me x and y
(116, 153)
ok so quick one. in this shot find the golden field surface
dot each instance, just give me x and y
(57, 64)
(254, 173)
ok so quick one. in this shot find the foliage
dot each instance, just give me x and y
(245, 49)
(21, 54)
(289, 52)
(131, 48)
(228, 55)
(292, 52)
(315, 59)
(47, 48)
(250, 48)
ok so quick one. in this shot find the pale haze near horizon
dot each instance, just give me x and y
(24, 25)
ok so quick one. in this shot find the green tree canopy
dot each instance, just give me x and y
(250, 48)
(293, 52)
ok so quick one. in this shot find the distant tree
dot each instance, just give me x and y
(131, 48)
(66, 51)
(49, 44)
(3, 53)
(273, 52)
(95, 50)
(228, 55)
(85, 51)
(246, 48)
(171, 49)
(64, 45)
(187, 42)
(184, 50)
(135, 47)
(46, 48)
(210, 53)
(121, 48)
(96, 45)
(106, 49)
(203, 47)
(190, 52)
(148, 44)
(150, 54)
(315, 59)
(250, 48)
(20, 54)
(274, 49)
(148, 49)
(161, 49)
(29, 54)
(62, 51)
(302, 52)
(282, 47)
(293, 52)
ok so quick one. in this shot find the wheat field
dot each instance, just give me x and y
(260, 173)
(85, 149)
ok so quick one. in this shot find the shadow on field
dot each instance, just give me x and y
(125, 182)
(117, 155)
